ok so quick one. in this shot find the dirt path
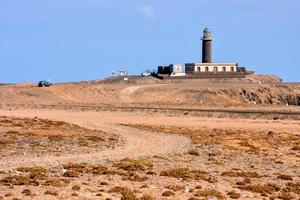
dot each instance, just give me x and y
(127, 93)
(137, 143)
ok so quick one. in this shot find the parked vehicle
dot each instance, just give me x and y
(45, 84)
(146, 73)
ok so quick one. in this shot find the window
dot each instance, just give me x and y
(224, 69)
(199, 69)
(215, 69)
(232, 69)
(206, 69)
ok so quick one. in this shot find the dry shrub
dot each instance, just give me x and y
(194, 152)
(99, 194)
(285, 196)
(147, 197)
(98, 170)
(53, 193)
(128, 164)
(82, 142)
(285, 177)
(151, 173)
(80, 168)
(234, 195)
(38, 135)
(160, 157)
(144, 186)
(292, 187)
(55, 182)
(241, 174)
(251, 148)
(9, 195)
(34, 170)
(209, 192)
(74, 194)
(175, 188)
(117, 172)
(74, 169)
(5, 142)
(95, 138)
(27, 192)
(185, 173)
(296, 148)
(168, 193)
(265, 189)
(55, 138)
(71, 174)
(33, 176)
(19, 180)
(244, 182)
(12, 132)
(134, 177)
(127, 194)
(201, 136)
(103, 183)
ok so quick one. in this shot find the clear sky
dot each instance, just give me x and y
(73, 40)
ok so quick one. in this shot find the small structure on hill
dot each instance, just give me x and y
(122, 72)
(206, 69)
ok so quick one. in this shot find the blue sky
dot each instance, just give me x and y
(73, 40)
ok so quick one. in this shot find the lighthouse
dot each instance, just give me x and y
(207, 46)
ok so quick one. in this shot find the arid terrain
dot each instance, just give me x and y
(151, 139)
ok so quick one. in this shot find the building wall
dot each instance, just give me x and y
(177, 68)
(215, 67)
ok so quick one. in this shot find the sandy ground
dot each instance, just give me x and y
(147, 135)
(59, 142)
(137, 143)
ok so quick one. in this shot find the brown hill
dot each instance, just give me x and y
(255, 89)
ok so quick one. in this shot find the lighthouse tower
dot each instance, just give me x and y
(207, 46)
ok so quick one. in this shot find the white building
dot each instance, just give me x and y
(215, 67)
(211, 67)
(177, 70)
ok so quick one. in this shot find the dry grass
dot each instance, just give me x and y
(186, 174)
(39, 136)
(249, 142)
